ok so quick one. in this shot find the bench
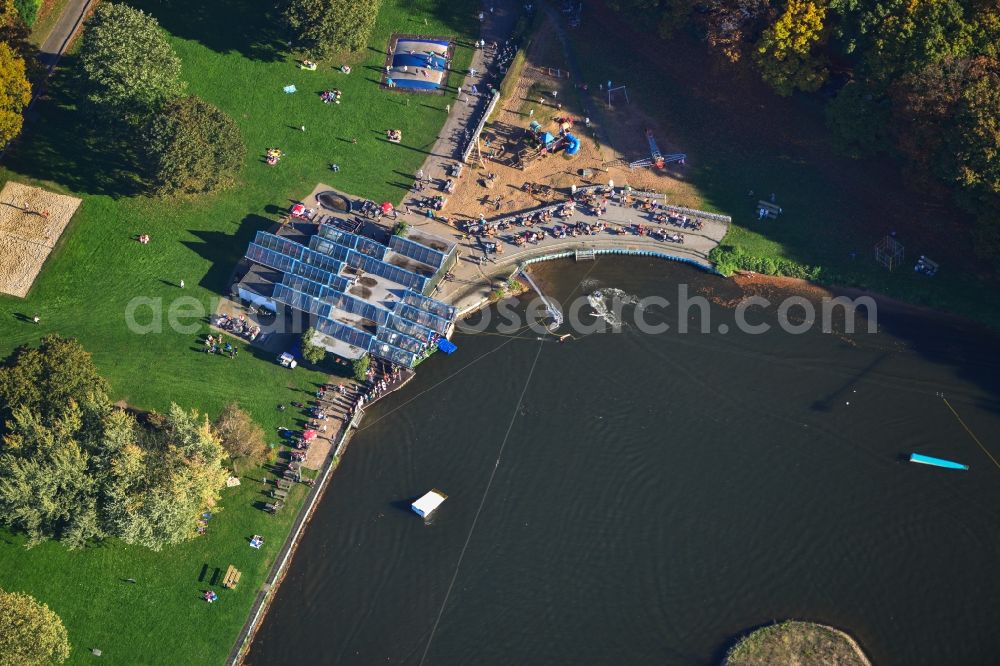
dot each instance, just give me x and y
(770, 210)
(231, 578)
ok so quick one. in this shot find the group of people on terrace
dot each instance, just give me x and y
(593, 201)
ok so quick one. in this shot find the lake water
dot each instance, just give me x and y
(658, 495)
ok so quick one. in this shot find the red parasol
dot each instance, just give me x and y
(309, 435)
(386, 207)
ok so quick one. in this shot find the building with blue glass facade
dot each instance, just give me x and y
(364, 291)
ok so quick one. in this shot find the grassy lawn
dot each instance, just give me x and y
(229, 55)
(796, 644)
(739, 136)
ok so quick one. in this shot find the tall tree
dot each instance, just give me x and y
(75, 469)
(786, 52)
(31, 634)
(312, 352)
(192, 147)
(16, 34)
(327, 26)
(45, 488)
(51, 379)
(241, 437)
(923, 105)
(128, 68)
(974, 139)
(900, 36)
(731, 24)
(859, 119)
(15, 93)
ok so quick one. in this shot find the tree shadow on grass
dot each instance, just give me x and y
(224, 26)
(225, 250)
(67, 147)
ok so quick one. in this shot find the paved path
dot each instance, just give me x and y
(473, 280)
(62, 32)
(447, 150)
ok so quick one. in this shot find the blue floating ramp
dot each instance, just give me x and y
(936, 462)
(447, 346)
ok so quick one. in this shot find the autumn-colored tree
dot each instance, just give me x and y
(923, 104)
(16, 34)
(15, 93)
(974, 138)
(31, 634)
(786, 53)
(730, 24)
(241, 437)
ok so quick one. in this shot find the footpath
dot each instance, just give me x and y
(497, 26)
(62, 33)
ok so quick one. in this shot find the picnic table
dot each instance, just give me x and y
(232, 577)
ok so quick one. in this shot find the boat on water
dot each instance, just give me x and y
(936, 462)
(426, 505)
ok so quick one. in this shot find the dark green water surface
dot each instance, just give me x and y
(658, 495)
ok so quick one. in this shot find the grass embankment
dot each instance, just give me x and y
(740, 136)
(230, 58)
(523, 33)
(796, 644)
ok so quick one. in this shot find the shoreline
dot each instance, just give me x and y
(266, 593)
(849, 640)
(508, 269)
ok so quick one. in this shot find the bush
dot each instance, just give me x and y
(729, 260)
(28, 9)
(30, 632)
(310, 352)
(192, 147)
(360, 367)
(401, 229)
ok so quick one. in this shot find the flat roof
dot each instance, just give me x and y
(434, 242)
(338, 347)
(261, 279)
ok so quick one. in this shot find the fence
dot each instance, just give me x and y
(474, 137)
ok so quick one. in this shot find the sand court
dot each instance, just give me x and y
(31, 222)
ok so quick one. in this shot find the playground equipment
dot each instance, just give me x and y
(656, 158)
(546, 143)
(889, 252)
